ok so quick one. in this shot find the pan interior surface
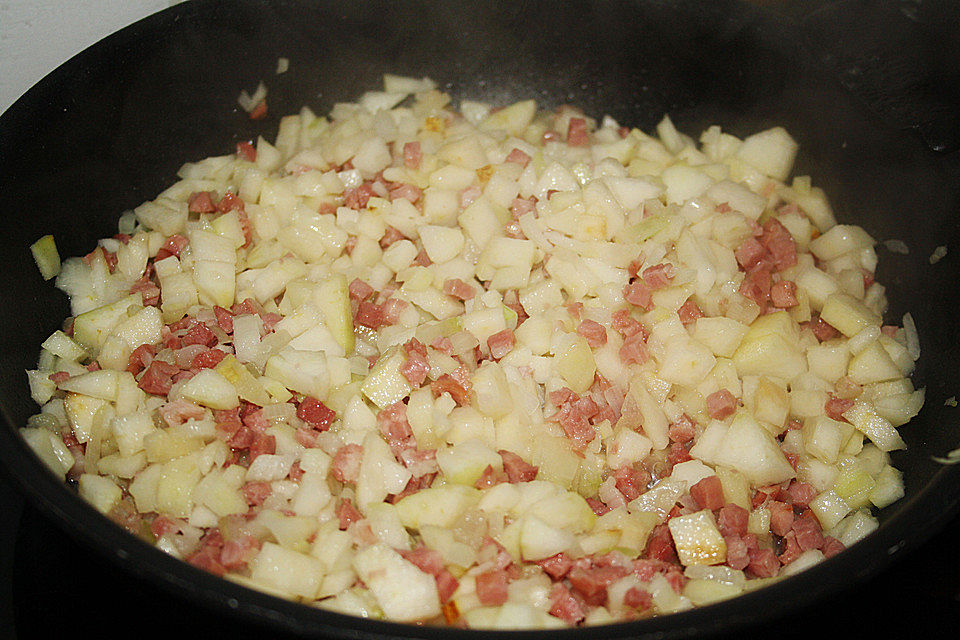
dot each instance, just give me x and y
(110, 128)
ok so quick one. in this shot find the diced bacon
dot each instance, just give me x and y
(449, 384)
(634, 350)
(408, 192)
(646, 568)
(148, 290)
(522, 206)
(790, 550)
(660, 545)
(808, 532)
(262, 444)
(427, 560)
(469, 195)
(347, 514)
(446, 585)
(516, 468)
(247, 151)
(682, 430)
(458, 289)
(763, 564)
(501, 343)
(420, 462)
(259, 112)
(490, 477)
(158, 378)
(140, 358)
(757, 284)
(638, 293)
(723, 207)
(270, 320)
(594, 332)
(360, 290)
(638, 598)
(519, 157)
(179, 411)
(315, 413)
(800, 494)
(564, 606)
(779, 243)
(346, 463)
(738, 555)
(369, 315)
(165, 526)
(307, 437)
(631, 482)
(749, 253)
(577, 135)
(229, 202)
(208, 359)
(822, 330)
(574, 309)
(252, 416)
(201, 202)
(58, 377)
(208, 559)
(412, 155)
(831, 547)
(415, 368)
(199, 334)
(392, 308)
(256, 492)
(246, 227)
(689, 311)
(492, 587)
(562, 396)
(224, 319)
(781, 517)
(834, 407)
(358, 197)
(591, 583)
(623, 323)
(557, 567)
(393, 422)
(659, 276)
(783, 294)
(240, 551)
(415, 346)
(677, 453)
(227, 421)
(708, 493)
(575, 425)
(732, 520)
(172, 247)
(721, 404)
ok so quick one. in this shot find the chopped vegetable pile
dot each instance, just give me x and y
(492, 368)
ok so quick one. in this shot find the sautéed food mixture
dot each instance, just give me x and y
(487, 367)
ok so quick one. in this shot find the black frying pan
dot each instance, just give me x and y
(864, 88)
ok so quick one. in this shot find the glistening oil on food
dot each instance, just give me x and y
(485, 367)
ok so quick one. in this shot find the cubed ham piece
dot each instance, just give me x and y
(721, 404)
(626, 325)
(208, 359)
(757, 283)
(237, 553)
(412, 155)
(732, 520)
(689, 311)
(490, 477)
(781, 517)
(360, 290)
(201, 202)
(158, 378)
(199, 334)
(458, 388)
(779, 244)
(594, 333)
(738, 554)
(659, 276)
(808, 532)
(347, 514)
(315, 413)
(492, 587)
(638, 598)
(501, 343)
(831, 547)
(634, 350)
(172, 247)
(783, 294)
(247, 151)
(522, 206)
(230, 202)
(799, 494)
(822, 330)
(409, 192)
(564, 606)
(459, 289)
(763, 564)
(708, 493)
(577, 134)
(369, 315)
(393, 422)
(749, 253)
(256, 492)
(682, 430)
(519, 157)
(516, 468)
(557, 567)
(346, 463)
(639, 294)
(660, 545)
(835, 407)
(415, 368)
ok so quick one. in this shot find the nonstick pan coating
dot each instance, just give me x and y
(109, 129)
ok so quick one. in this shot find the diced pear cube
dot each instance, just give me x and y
(465, 463)
(210, 389)
(873, 364)
(538, 540)
(385, 384)
(697, 539)
(436, 506)
(403, 592)
(772, 152)
(881, 433)
(95, 384)
(50, 448)
(750, 449)
(99, 491)
(848, 315)
(721, 335)
(290, 572)
(574, 362)
(512, 119)
(91, 329)
(175, 488)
